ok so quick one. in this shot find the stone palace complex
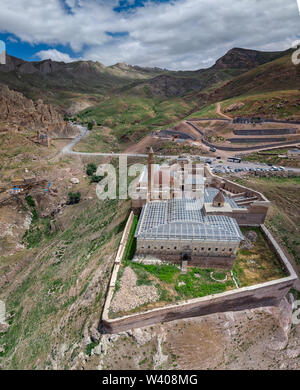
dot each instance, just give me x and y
(188, 214)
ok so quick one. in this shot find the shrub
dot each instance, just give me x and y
(30, 201)
(91, 169)
(90, 126)
(96, 178)
(74, 197)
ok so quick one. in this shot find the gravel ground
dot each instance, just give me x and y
(129, 295)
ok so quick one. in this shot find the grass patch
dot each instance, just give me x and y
(258, 264)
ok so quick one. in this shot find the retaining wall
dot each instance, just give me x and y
(238, 149)
(255, 140)
(209, 119)
(174, 133)
(265, 132)
(263, 294)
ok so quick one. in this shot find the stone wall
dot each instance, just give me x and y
(236, 149)
(265, 131)
(223, 262)
(263, 294)
(255, 140)
(214, 254)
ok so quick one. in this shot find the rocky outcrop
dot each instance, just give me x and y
(238, 58)
(234, 107)
(169, 86)
(16, 111)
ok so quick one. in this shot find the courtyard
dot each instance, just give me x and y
(145, 284)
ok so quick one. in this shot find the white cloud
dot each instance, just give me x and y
(181, 34)
(54, 55)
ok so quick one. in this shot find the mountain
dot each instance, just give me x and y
(58, 82)
(19, 113)
(280, 74)
(238, 58)
(178, 83)
(81, 84)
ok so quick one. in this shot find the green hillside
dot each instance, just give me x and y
(131, 117)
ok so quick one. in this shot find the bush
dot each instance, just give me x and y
(90, 126)
(96, 178)
(91, 169)
(30, 201)
(74, 197)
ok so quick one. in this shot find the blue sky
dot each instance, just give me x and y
(174, 34)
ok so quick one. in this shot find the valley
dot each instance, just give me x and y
(56, 257)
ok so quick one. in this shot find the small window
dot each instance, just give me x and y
(230, 250)
(149, 247)
(223, 250)
(161, 247)
(209, 249)
(216, 249)
(175, 247)
(202, 249)
(195, 249)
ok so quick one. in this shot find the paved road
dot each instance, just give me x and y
(68, 149)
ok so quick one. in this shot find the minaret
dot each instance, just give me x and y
(150, 163)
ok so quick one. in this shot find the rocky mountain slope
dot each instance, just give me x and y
(280, 74)
(234, 63)
(59, 81)
(20, 113)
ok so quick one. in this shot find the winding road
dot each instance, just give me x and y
(68, 149)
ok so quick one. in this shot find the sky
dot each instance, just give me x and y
(172, 34)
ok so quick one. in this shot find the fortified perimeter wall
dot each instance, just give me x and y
(263, 294)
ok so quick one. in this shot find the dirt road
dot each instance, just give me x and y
(219, 112)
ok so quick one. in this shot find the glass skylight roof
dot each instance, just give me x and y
(184, 219)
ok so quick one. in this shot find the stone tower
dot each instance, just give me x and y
(219, 200)
(150, 170)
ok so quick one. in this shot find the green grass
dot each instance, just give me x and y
(206, 112)
(283, 218)
(257, 264)
(165, 273)
(131, 241)
(39, 305)
(130, 118)
(196, 287)
(267, 158)
(265, 103)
